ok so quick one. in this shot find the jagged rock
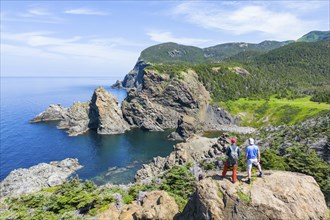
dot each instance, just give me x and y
(194, 150)
(33, 179)
(163, 100)
(52, 113)
(155, 205)
(77, 119)
(217, 116)
(187, 126)
(134, 78)
(101, 114)
(278, 195)
(105, 114)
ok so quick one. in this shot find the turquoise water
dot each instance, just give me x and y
(106, 158)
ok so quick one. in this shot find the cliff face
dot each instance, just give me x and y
(164, 98)
(105, 114)
(278, 195)
(134, 78)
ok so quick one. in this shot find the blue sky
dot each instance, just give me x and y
(105, 38)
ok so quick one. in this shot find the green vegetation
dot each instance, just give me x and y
(243, 196)
(292, 71)
(60, 202)
(289, 148)
(306, 161)
(76, 200)
(314, 36)
(258, 113)
(180, 183)
(172, 53)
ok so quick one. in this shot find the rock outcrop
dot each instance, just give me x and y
(52, 113)
(134, 78)
(76, 120)
(278, 195)
(22, 181)
(163, 99)
(101, 114)
(105, 114)
(154, 205)
(186, 128)
(194, 150)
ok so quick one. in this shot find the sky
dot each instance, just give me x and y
(105, 38)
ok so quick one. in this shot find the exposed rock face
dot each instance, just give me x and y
(217, 116)
(134, 78)
(102, 114)
(154, 205)
(163, 100)
(76, 120)
(52, 113)
(195, 149)
(185, 129)
(37, 177)
(105, 114)
(278, 195)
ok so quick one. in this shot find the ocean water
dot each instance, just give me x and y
(106, 158)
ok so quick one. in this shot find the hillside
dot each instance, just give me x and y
(314, 36)
(292, 71)
(172, 53)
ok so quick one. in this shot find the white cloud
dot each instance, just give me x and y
(248, 17)
(162, 37)
(32, 15)
(81, 54)
(84, 11)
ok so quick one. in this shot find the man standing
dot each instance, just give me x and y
(252, 157)
(233, 154)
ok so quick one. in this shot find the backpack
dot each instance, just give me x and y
(233, 156)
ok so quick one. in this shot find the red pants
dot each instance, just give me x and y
(225, 169)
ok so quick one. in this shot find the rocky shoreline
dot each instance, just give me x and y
(214, 197)
(155, 102)
(33, 179)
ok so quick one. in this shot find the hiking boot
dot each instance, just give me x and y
(260, 174)
(248, 181)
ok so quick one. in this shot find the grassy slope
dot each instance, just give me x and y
(258, 113)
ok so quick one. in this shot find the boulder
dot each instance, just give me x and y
(278, 195)
(22, 181)
(155, 205)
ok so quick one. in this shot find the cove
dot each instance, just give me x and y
(106, 158)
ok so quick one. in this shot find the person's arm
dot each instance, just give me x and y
(246, 154)
(258, 155)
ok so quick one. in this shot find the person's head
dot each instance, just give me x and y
(251, 140)
(233, 141)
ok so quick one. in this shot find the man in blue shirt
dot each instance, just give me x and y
(252, 157)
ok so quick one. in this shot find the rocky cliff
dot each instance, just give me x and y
(134, 78)
(278, 195)
(164, 98)
(101, 114)
(22, 181)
